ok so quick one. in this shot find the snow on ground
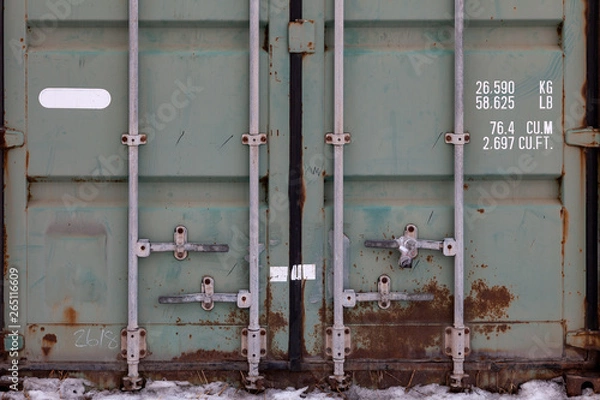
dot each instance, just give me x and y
(78, 389)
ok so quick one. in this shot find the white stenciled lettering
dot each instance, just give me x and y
(539, 127)
(545, 87)
(535, 143)
(545, 95)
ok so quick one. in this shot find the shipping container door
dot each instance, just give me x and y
(524, 76)
(67, 80)
(66, 177)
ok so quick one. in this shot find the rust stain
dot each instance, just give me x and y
(488, 329)
(235, 317)
(438, 310)
(302, 194)
(277, 321)
(410, 342)
(265, 45)
(483, 302)
(480, 210)
(70, 315)
(487, 302)
(208, 355)
(466, 186)
(564, 214)
(484, 266)
(48, 342)
(264, 181)
(429, 258)
(5, 247)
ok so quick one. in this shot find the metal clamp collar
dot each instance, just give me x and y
(337, 138)
(457, 138)
(134, 140)
(254, 139)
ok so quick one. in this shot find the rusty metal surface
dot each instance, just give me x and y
(576, 383)
(499, 377)
(65, 221)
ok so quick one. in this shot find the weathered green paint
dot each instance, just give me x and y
(66, 191)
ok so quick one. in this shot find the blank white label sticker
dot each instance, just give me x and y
(279, 274)
(299, 272)
(75, 98)
(304, 272)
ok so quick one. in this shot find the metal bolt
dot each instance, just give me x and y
(143, 248)
(411, 228)
(448, 138)
(384, 304)
(467, 350)
(347, 138)
(124, 333)
(207, 281)
(124, 139)
(263, 332)
(449, 247)
(384, 280)
(448, 350)
(263, 352)
(328, 350)
(124, 353)
(245, 332)
(346, 350)
(245, 139)
(243, 298)
(467, 137)
(245, 352)
(179, 255)
(448, 331)
(142, 353)
(142, 333)
(328, 331)
(347, 331)
(263, 139)
(143, 139)
(467, 331)
(180, 230)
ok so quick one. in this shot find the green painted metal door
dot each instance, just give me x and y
(67, 184)
(524, 221)
(66, 202)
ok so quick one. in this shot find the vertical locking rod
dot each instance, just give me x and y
(458, 374)
(133, 380)
(339, 330)
(253, 378)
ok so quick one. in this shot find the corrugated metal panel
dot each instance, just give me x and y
(66, 187)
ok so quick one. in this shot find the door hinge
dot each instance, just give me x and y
(13, 139)
(584, 339)
(584, 137)
(301, 36)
